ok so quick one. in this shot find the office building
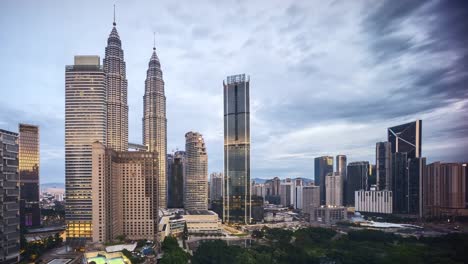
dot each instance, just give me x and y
(124, 194)
(85, 123)
(323, 166)
(310, 198)
(373, 201)
(216, 186)
(372, 179)
(154, 120)
(406, 138)
(445, 190)
(237, 196)
(287, 192)
(383, 158)
(272, 188)
(358, 173)
(334, 189)
(28, 142)
(175, 182)
(116, 90)
(196, 173)
(9, 198)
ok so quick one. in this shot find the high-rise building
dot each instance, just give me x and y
(9, 198)
(358, 173)
(323, 166)
(116, 89)
(216, 180)
(372, 179)
(310, 198)
(28, 142)
(287, 192)
(406, 138)
(334, 189)
(383, 158)
(175, 182)
(125, 194)
(85, 123)
(341, 164)
(445, 190)
(237, 196)
(196, 174)
(154, 120)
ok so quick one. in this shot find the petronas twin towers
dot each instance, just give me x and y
(154, 107)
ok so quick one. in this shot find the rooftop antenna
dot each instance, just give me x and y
(114, 17)
(154, 40)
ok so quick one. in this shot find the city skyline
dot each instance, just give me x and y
(330, 125)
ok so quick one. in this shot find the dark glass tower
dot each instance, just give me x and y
(406, 138)
(175, 190)
(29, 175)
(358, 174)
(237, 198)
(400, 182)
(383, 158)
(323, 166)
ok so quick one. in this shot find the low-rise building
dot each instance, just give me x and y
(202, 221)
(373, 201)
(328, 215)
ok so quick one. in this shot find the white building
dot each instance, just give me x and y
(373, 201)
(334, 189)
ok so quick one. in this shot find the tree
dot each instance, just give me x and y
(257, 234)
(121, 238)
(169, 244)
(185, 234)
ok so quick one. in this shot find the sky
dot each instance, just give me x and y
(327, 77)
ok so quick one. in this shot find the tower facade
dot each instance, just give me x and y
(175, 181)
(237, 191)
(406, 138)
(9, 198)
(383, 165)
(28, 142)
(358, 173)
(85, 123)
(155, 122)
(116, 84)
(322, 166)
(334, 187)
(196, 177)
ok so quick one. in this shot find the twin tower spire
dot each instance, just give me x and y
(154, 131)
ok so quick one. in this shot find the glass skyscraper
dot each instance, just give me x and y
(237, 193)
(85, 123)
(175, 179)
(358, 174)
(155, 122)
(29, 175)
(406, 138)
(323, 166)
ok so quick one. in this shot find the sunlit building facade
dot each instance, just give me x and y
(196, 173)
(237, 191)
(9, 198)
(85, 123)
(154, 120)
(28, 142)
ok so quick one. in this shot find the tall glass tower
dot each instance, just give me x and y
(237, 196)
(155, 122)
(85, 123)
(117, 108)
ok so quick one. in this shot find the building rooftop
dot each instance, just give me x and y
(199, 212)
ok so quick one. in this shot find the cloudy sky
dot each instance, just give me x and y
(327, 77)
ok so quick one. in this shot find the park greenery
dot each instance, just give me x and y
(320, 245)
(32, 250)
(173, 254)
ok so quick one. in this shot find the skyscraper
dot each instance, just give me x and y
(29, 175)
(124, 194)
(216, 180)
(341, 166)
(175, 181)
(334, 187)
(358, 173)
(237, 196)
(406, 138)
(310, 198)
(196, 177)
(323, 166)
(85, 123)
(9, 198)
(383, 157)
(154, 120)
(116, 83)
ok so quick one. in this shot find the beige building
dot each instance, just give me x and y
(124, 194)
(196, 173)
(202, 221)
(310, 198)
(334, 189)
